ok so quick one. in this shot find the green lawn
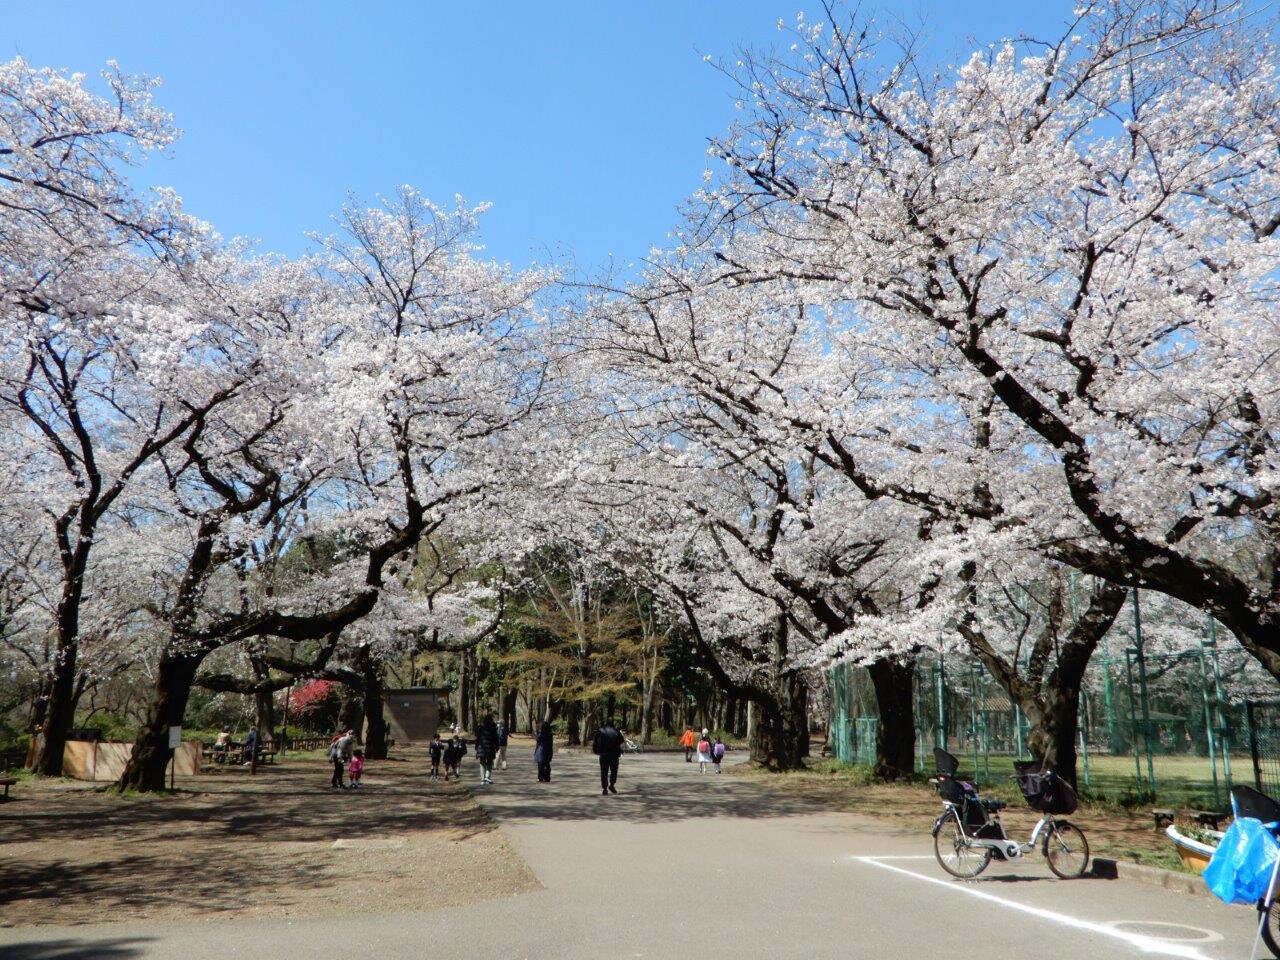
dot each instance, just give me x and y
(1180, 780)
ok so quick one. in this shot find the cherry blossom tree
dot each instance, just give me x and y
(381, 403)
(1077, 234)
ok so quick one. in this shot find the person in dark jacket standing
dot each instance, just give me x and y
(543, 750)
(486, 747)
(607, 745)
(339, 753)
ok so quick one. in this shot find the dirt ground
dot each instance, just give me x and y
(278, 844)
(1112, 832)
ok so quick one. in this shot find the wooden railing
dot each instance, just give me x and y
(13, 758)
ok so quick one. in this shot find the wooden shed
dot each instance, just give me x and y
(413, 713)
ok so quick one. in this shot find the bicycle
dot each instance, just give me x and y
(969, 834)
(632, 746)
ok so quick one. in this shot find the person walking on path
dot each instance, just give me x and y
(437, 752)
(454, 751)
(704, 752)
(502, 745)
(486, 747)
(543, 750)
(607, 745)
(717, 753)
(339, 753)
(687, 741)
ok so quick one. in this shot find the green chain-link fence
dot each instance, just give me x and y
(1154, 728)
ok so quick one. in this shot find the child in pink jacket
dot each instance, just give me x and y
(355, 768)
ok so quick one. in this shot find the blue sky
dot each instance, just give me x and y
(585, 124)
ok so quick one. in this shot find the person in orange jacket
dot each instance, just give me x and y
(687, 741)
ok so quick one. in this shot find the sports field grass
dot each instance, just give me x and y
(1180, 780)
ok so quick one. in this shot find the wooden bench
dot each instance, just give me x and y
(7, 782)
(1210, 819)
(1206, 818)
(233, 755)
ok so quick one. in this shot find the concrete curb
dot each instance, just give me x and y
(1189, 883)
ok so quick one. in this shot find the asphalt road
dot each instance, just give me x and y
(680, 864)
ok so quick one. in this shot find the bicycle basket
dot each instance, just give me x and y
(1248, 802)
(975, 813)
(1045, 790)
(945, 762)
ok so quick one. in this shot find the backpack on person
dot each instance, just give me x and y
(717, 752)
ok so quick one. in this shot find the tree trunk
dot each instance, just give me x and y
(264, 706)
(147, 767)
(473, 700)
(39, 706)
(779, 740)
(464, 691)
(774, 743)
(509, 708)
(896, 731)
(572, 714)
(646, 711)
(1052, 735)
(351, 716)
(60, 710)
(375, 724)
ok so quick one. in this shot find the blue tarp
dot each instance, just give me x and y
(1241, 866)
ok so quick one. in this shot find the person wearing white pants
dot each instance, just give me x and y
(704, 751)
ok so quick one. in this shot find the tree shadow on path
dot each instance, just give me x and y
(650, 790)
(116, 948)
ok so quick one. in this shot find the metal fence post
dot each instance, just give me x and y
(1253, 744)
(942, 704)
(1133, 733)
(1113, 729)
(1208, 725)
(1142, 691)
(1084, 741)
(1224, 735)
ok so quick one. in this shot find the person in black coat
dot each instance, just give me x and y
(437, 749)
(543, 751)
(607, 745)
(454, 751)
(486, 747)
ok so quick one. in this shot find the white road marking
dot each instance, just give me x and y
(900, 857)
(1202, 934)
(1144, 943)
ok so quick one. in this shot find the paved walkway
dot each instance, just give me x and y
(699, 866)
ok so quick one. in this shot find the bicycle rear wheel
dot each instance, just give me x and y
(1066, 849)
(954, 853)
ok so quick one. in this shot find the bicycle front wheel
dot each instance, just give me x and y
(1067, 850)
(955, 854)
(1271, 930)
